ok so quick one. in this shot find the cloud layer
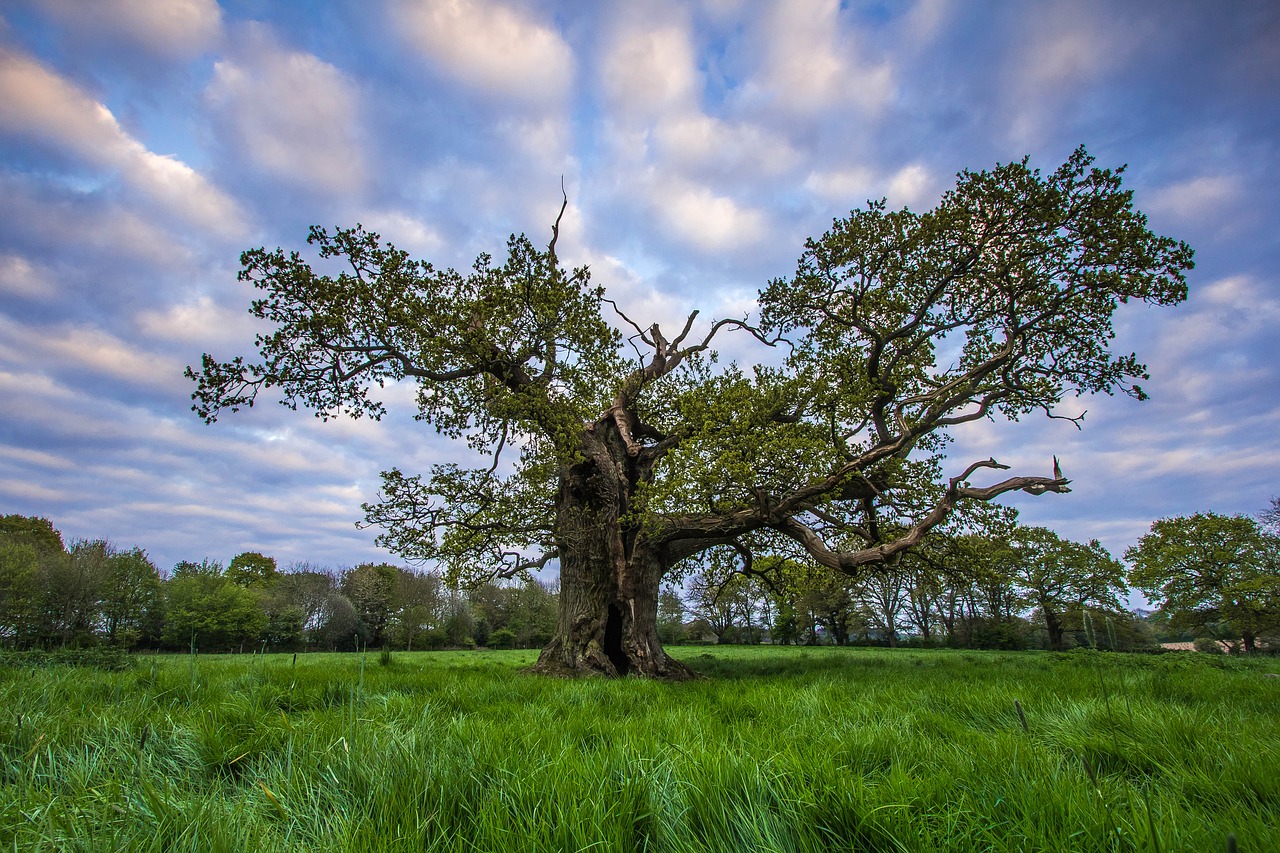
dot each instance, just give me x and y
(144, 145)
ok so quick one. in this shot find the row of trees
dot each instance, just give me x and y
(1212, 576)
(1029, 589)
(92, 592)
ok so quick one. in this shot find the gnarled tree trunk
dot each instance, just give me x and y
(609, 576)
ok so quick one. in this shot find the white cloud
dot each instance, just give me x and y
(707, 221)
(1206, 199)
(406, 231)
(851, 186)
(545, 140)
(1219, 317)
(497, 48)
(695, 142)
(38, 458)
(62, 225)
(43, 106)
(171, 28)
(924, 21)
(202, 322)
(1058, 54)
(648, 71)
(910, 186)
(811, 64)
(83, 350)
(291, 115)
(20, 277)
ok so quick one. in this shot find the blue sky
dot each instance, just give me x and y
(144, 145)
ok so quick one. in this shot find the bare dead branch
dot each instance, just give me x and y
(555, 229)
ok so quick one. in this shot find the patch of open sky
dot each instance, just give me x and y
(585, 118)
(32, 30)
(162, 128)
(719, 83)
(877, 14)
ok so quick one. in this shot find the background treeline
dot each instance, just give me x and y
(1214, 579)
(93, 593)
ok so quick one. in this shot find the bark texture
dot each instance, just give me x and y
(609, 577)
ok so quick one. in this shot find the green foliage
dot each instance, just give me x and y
(371, 589)
(1023, 270)
(1208, 645)
(503, 638)
(211, 612)
(1059, 576)
(72, 585)
(252, 569)
(1207, 568)
(901, 325)
(131, 603)
(204, 568)
(19, 590)
(527, 610)
(31, 530)
(103, 658)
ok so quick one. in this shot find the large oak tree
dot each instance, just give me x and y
(635, 450)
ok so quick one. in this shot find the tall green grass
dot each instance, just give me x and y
(778, 749)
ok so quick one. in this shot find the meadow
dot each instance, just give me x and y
(777, 749)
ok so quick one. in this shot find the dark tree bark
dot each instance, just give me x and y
(609, 574)
(1053, 625)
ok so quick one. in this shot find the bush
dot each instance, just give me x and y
(503, 638)
(1208, 645)
(434, 638)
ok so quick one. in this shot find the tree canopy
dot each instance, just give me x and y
(636, 449)
(1208, 570)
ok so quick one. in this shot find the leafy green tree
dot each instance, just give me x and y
(1058, 577)
(252, 569)
(374, 592)
(421, 607)
(671, 613)
(20, 597)
(460, 626)
(1206, 569)
(73, 585)
(532, 613)
(131, 607)
(204, 568)
(31, 530)
(340, 626)
(637, 450)
(305, 591)
(208, 610)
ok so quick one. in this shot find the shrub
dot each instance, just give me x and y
(1208, 645)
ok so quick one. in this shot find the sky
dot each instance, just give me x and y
(144, 145)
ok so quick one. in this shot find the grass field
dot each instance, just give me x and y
(779, 749)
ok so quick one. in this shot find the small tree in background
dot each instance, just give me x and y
(252, 569)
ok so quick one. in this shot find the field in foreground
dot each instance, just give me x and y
(779, 749)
